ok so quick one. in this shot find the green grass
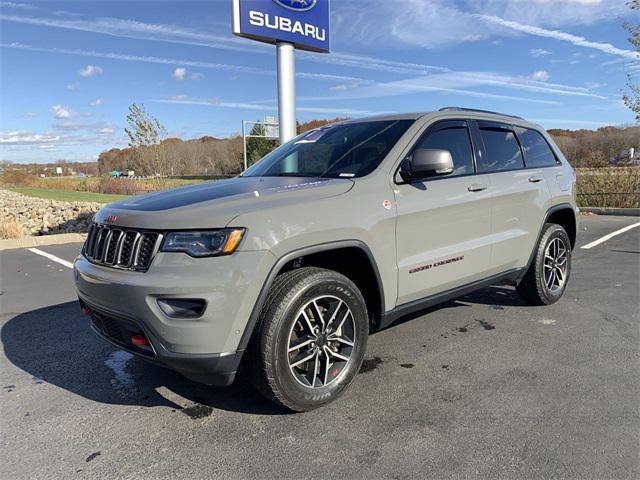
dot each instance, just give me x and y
(68, 195)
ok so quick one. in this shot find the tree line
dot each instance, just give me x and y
(150, 152)
(598, 148)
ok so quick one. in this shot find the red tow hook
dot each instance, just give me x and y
(139, 340)
(85, 310)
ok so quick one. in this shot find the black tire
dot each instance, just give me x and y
(533, 288)
(290, 293)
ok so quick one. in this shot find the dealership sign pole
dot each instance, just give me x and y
(288, 24)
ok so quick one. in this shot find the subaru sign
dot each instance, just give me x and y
(303, 23)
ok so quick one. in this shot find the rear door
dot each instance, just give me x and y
(444, 223)
(519, 199)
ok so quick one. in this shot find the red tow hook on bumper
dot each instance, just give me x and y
(85, 310)
(139, 340)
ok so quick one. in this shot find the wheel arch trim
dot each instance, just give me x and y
(547, 215)
(286, 258)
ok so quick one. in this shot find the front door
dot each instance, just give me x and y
(444, 223)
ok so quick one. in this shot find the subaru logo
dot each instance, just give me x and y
(297, 5)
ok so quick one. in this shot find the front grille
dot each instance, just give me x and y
(121, 248)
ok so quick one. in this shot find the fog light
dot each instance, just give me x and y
(182, 308)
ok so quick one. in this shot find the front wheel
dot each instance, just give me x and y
(548, 275)
(311, 339)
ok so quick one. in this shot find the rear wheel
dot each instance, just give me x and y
(547, 277)
(311, 338)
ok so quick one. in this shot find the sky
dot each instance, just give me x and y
(70, 70)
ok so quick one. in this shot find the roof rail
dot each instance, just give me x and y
(479, 111)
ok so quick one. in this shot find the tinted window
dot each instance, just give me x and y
(537, 152)
(456, 140)
(502, 151)
(343, 150)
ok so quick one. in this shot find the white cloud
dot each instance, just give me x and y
(139, 58)
(559, 35)
(72, 87)
(60, 111)
(90, 71)
(97, 102)
(387, 65)
(269, 108)
(18, 6)
(331, 78)
(467, 84)
(580, 2)
(26, 138)
(196, 76)
(540, 76)
(30, 114)
(179, 97)
(343, 87)
(75, 126)
(173, 34)
(539, 52)
(434, 23)
(179, 73)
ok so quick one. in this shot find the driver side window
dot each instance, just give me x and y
(456, 139)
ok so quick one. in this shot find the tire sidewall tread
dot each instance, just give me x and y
(289, 291)
(532, 287)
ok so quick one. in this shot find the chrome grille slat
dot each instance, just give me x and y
(105, 246)
(112, 247)
(118, 253)
(121, 248)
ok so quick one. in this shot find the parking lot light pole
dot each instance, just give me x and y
(286, 90)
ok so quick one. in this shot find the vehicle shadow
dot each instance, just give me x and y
(497, 297)
(56, 345)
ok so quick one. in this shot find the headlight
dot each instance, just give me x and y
(204, 243)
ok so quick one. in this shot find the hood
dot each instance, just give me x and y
(215, 204)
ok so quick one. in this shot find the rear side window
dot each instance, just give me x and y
(457, 141)
(502, 150)
(537, 152)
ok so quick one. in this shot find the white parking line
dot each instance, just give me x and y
(611, 235)
(51, 257)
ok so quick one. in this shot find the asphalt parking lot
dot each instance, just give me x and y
(479, 387)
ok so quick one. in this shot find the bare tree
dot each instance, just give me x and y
(632, 96)
(146, 135)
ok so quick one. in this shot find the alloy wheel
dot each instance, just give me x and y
(321, 341)
(556, 257)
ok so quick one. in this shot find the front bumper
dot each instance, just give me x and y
(205, 349)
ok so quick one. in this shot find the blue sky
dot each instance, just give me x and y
(71, 69)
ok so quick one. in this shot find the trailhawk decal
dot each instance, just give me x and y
(439, 263)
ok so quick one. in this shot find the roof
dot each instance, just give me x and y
(467, 112)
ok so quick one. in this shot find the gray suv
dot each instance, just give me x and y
(286, 269)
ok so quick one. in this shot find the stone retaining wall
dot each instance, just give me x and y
(38, 216)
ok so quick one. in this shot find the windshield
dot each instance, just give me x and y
(343, 150)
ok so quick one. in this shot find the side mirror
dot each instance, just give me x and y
(426, 162)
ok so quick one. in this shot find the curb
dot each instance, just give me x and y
(28, 242)
(625, 212)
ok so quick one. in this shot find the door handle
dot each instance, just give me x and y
(477, 187)
(536, 178)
